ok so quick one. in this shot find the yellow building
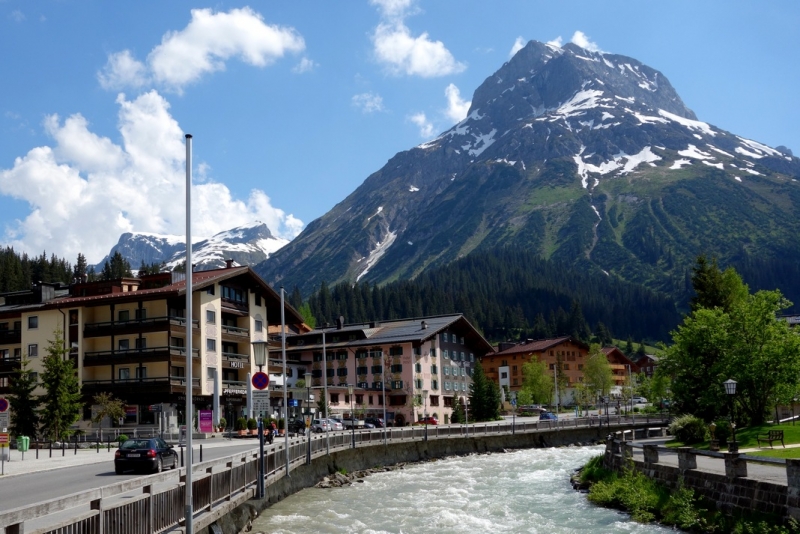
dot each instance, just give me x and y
(129, 336)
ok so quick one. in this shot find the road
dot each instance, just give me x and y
(44, 485)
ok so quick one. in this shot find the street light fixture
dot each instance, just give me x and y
(730, 390)
(352, 415)
(425, 411)
(308, 426)
(260, 358)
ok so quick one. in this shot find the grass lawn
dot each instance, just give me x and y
(747, 438)
(778, 452)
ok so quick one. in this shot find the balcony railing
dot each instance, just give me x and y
(150, 381)
(234, 383)
(11, 359)
(235, 356)
(9, 336)
(152, 323)
(235, 331)
(149, 351)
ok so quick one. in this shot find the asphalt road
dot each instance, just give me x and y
(44, 485)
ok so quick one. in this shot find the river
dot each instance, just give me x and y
(520, 491)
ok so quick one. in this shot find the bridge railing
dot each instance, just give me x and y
(232, 480)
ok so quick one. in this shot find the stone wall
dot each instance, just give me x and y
(366, 457)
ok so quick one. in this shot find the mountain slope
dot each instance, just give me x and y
(246, 245)
(583, 157)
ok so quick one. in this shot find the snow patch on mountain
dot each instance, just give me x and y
(693, 152)
(679, 163)
(378, 252)
(623, 162)
(689, 123)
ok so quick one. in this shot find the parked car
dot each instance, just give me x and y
(297, 426)
(349, 423)
(152, 454)
(320, 425)
(548, 416)
(376, 422)
(336, 424)
(430, 420)
(639, 400)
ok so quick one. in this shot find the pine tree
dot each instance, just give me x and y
(24, 404)
(80, 268)
(480, 399)
(458, 412)
(61, 403)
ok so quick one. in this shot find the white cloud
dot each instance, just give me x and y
(17, 16)
(519, 44)
(305, 65)
(85, 190)
(368, 102)
(581, 39)
(425, 126)
(122, 70)
(457, 108)
(203, 46)
(402, 53)
(556, 42)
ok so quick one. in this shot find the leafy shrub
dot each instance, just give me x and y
(633, 491)
(682, 510)
(122, 438)
(252, 424)
(688, 429)
(241, 424)
(223, 423)
(594, 471)
(723, 430)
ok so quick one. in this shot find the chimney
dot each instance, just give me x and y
(424, 325)
(340, 322)
(228, 264)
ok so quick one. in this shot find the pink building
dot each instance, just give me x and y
(410, 367)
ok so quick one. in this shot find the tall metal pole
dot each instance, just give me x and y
(308, 430)
(325, 392)
(466, 413)
(189, 403)
(285, 394)
(350, 390)
(383, 390)
(260, 456)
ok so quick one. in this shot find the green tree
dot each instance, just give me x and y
(323, 408)
(308, 315)
(714, 288)
(458, 412)
(597, 371)
(61, 403)
(481, 396)
(537, 382)
(118, 267)
(106, 405)
(24, 404)
(80, 268)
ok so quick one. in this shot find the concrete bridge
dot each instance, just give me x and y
(224, 490)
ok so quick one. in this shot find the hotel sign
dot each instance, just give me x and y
(234, 391)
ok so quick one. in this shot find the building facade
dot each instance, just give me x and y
(408, 368)
(128, 337)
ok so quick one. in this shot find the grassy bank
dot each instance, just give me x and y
(649, 501)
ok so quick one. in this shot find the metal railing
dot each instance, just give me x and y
(174, 350)
(230, 481)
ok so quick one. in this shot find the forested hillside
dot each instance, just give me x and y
(19, 271)
(508, 294)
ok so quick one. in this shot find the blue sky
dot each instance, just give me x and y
(292, 105)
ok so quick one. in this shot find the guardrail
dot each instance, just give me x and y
(232, 480)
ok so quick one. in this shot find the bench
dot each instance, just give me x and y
(769, 437)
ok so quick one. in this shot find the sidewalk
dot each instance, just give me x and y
(30, 464)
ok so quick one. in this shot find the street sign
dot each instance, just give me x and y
(4, 439)
(260, 380)
(308, 420)
(4, 421)
(294, 403)
(261, 402)
(155, 407)
(3, 405)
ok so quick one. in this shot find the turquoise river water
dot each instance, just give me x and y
(521, 491)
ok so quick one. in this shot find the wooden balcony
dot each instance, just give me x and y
(126, 389)
(10, 336)
(10, 364)
(235, 334)
(136, 326)
(150, 354)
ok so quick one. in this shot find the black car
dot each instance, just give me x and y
(376, 422)
(151, 454)
(297, 426)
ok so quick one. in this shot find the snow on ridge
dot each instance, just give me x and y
(646, 119)
(689, 123)
(759, 147)
(378, 252)
(679, 163)
(694, 152)
(583, 100)
(646, 155)
(380, 209)
(413, 189)
(487, 140)
(719, 165)
(715, 149)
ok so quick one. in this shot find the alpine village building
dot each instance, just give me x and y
(128, 337)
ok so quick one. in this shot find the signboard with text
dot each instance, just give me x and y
(261, 403)
(205, 420)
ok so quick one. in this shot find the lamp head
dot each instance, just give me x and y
(350, 390)
(308, 378)
(260, 353)
(730, 386)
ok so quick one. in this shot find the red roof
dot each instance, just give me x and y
(538, 345)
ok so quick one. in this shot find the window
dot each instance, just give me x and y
(580, 367)
(210, 290)
(434, 369)
(33, 350)
(73, 317)
(341, 371)
(211, 345)
(396, 368)
(377, 354)
(234, 294)
(17, 353)
(124, 373)
(377, 385)
(33, 322)
(4, 354)
(360, 399)
(178, 371)
(334, 398)
(330, 373)
(316, 373)
(341, 355)
(259, 325)
(141, 314)
(376, 369)
(514, 369)
(361, 354)
(396, 351)
(141, 343)
(123, 344)
(397, 384)
(141, 372)
(471, 357)
(447, 385)
(362, 385)
(418, 367)
(370, 400)
(418, 383)
(35, 377)
(515, 382)
(418, 351)
(462, 340)
(566, 367)
(434, 385)
(258, 300)
(211, 373)
(503, 375)
(463, 372)
(317, 356)
(445, 354)
(211, 316)
(552, 366)
(447, 370)
(124, 315)
(362, 370)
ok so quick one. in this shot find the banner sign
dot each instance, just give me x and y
(206, 420)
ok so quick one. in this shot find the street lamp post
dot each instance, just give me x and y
(730, 390)
(308, 427)
(325, 390)
(260, 358)
(352, 415)
(425, 411)
(466, 413)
